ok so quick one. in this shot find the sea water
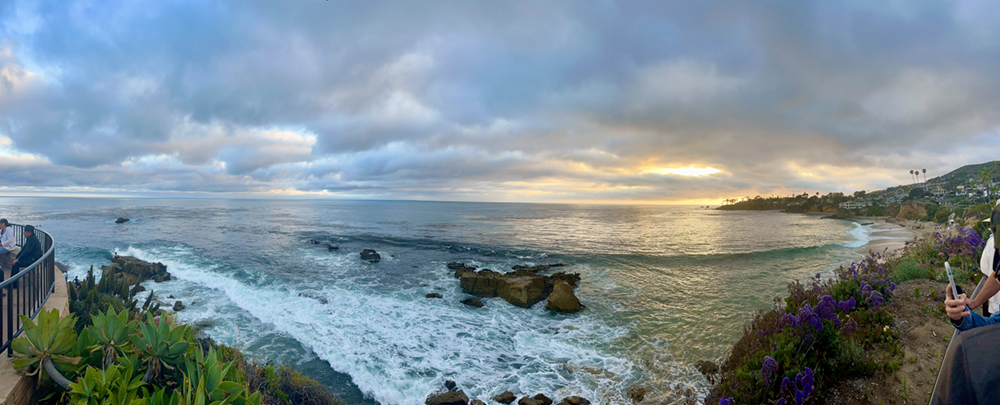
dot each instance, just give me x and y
(664, 287)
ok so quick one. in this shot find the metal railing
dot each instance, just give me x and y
(25, 293)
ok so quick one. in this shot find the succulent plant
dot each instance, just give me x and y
(216, 380)
(161, 345)
(111, 331)
(116, 385)
(48, 346)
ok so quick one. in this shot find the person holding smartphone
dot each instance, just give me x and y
(958, 308)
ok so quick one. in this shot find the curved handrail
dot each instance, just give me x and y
(35, 283)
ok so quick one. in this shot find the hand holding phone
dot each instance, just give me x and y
(951, 279)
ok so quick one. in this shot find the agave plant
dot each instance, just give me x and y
(48, 346)
(216, 381)
(112, 332)
(116, 385)
(161, 345)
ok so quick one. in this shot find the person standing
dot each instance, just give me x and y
(30, 252)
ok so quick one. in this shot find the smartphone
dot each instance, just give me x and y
(951, 279)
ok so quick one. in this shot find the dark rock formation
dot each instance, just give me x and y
(574, 400)
(543, 400)
(535, 269)
(708, 368)
(473, 302)
(522, 288)
(637, 393)
(460, 266)
(370, 256)
(314, 242)
(448, 398)
(178, 306)
(477, 402)
(572, 278)
(562, 298)
(134, 271)
(433, 295)
(505, 398)
(528, 401)
(121, 220)
(450, 385)
(331, 248)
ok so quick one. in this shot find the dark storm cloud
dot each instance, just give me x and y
(472, 100)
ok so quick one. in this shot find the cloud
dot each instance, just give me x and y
(553, 101)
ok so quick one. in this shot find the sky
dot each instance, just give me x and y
(519, 101)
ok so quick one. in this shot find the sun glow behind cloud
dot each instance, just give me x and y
(690, 171)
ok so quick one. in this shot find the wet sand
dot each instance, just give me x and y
(888, 236)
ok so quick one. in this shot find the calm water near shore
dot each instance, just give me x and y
(664, 286)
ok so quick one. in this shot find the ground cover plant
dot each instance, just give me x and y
(830, 330)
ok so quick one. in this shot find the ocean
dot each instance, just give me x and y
(663, 286)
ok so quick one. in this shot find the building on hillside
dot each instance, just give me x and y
(853, 205)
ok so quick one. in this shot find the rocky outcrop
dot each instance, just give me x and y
(456, 266)
(448, 398)
(477, 402)
(370, 256)
(179, 306)
(433, 295)
(536, 269)
(522, 288)
(543, 400)
(121, 220)
(574, 400)
(134, 271)
(709, 369)
(473, 302)
(562, 298)
(528, 401)
(505, 398)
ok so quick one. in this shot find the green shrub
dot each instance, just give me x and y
(911, 270)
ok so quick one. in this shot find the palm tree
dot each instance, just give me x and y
(925, 175)
(911, 176)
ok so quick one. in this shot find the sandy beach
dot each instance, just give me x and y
(892, 234)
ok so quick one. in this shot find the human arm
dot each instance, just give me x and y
(990, 288)
(956, 308)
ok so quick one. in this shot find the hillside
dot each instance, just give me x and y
(961, 176)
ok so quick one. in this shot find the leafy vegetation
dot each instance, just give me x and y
(829, 330)
(136, 355)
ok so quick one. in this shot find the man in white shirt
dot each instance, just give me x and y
(6, 238)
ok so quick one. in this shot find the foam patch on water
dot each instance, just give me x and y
(861, 235)
(398, 346)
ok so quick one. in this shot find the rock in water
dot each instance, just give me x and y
(477, 402)
(637, 393)
(448, 398)
(505, 398)
(450, 385)
(562, 298)
(524, 291)
(474, 302)
(543, 400)
(178, 306)
(574, 400)
(134, 271)
(121, 220)
(528, 401)
(331, 248)
(433, 295)
(370, 256)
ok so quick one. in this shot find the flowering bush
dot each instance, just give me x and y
(826, 331)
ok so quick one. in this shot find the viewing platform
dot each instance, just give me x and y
(39, 286)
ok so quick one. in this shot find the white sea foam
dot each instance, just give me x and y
(397, 346)
(861, 235)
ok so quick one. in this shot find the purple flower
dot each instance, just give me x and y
(768, 370)
(847, 305)
(799, 397)
(876, 299)
(826, 308)
(727, 401)
(786, 383)
(790, 320)
(781, 401)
